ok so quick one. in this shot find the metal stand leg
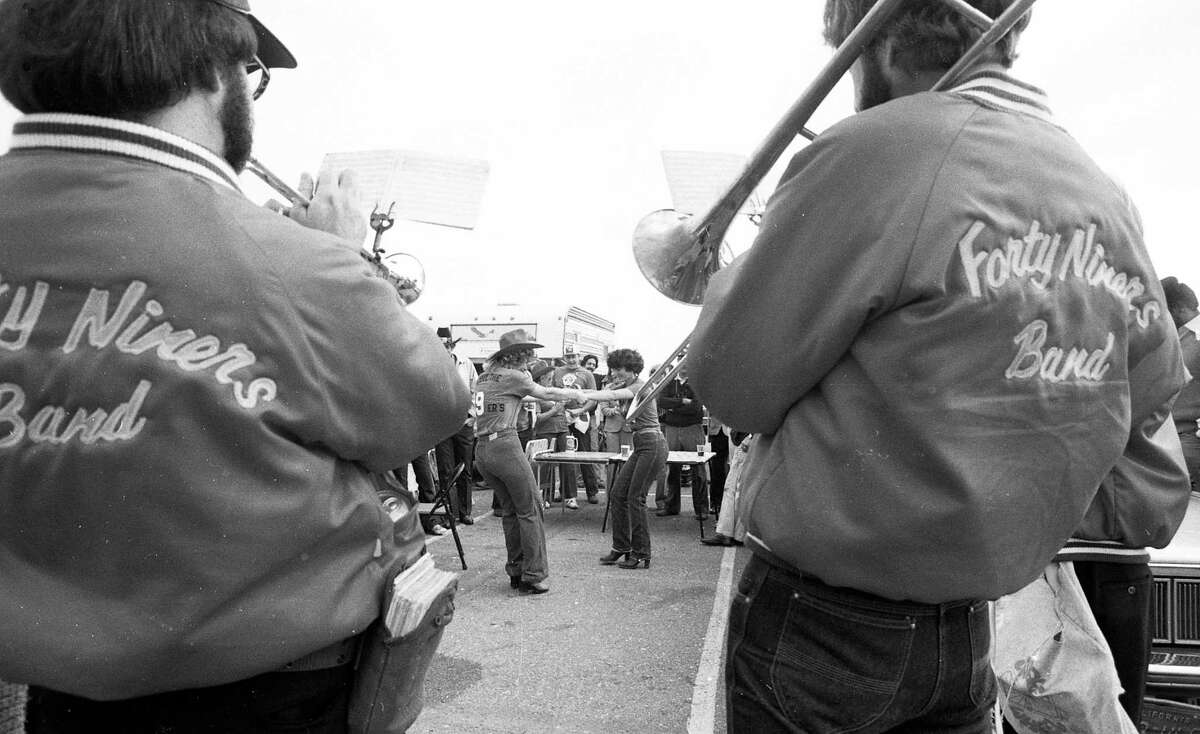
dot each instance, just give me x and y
(442, 501)
(612, 476)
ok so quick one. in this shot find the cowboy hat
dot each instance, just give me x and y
(511, 341)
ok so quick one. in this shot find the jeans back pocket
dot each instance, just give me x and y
(838, 667)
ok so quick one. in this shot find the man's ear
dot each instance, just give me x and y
(894, 62)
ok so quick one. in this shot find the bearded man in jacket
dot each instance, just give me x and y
(983, 338)
(198, 395)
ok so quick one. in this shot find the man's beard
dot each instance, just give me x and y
(237, 122)
(873, 88)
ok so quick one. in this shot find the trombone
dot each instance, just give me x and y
(679, 256)
(401, 270)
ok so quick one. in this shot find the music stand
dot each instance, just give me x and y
(441, 505)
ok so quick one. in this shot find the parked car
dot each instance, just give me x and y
(1175, 658)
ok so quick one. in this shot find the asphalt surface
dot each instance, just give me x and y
(606, 650)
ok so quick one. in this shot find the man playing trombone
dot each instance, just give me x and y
(197, 395)
(982, 338)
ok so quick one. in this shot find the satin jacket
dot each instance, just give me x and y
(197, 396)
(948, 332)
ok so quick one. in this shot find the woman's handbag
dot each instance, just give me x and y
(1054, 669)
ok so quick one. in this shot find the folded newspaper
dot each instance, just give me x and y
(413, 592)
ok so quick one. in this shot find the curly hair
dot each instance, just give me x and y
(626, 359)
(932, 33)
(116, 58)
(1178, 294)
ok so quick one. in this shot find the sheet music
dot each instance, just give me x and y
(373, 171)
(425, 188)
(697, 179)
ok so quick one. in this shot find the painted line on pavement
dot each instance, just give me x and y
(702, 719)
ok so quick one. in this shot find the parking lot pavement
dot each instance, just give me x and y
(607, 650)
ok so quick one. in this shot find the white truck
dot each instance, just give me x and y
(555, 326)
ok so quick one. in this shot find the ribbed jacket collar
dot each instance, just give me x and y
(993, 86)
(87, 133)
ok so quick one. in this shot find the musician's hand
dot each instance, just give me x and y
(334, 208)
(277, 206)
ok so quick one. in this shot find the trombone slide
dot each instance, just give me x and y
(657, 381)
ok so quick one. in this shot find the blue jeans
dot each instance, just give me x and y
(806, 657)
(504, 467)
(627, 496)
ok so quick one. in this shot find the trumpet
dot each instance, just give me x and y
(401, 270)
(275, 182)
(679, 256)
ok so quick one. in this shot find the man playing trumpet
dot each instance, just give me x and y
(197, 395)
(982, 338)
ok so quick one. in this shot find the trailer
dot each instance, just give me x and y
(555, 326)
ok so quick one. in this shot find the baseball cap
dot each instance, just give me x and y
(569, 349)
(271, 50)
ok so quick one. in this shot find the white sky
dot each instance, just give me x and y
(571, 105)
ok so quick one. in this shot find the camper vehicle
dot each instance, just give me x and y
(556, 326)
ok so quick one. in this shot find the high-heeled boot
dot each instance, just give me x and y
(613, 557)
(634, 562)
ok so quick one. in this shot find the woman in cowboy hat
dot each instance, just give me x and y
(501, 461)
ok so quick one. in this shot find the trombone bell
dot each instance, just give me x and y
(673, 257)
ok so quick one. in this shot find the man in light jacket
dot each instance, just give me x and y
(198, 396)
(982, 337)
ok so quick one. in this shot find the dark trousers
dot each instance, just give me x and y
(685, 438)
(1191, 455)
(1120, 596)
(566, 472)
(424, 474)
(315, 702)
(718, 469)
(806, 657)
(590, 472)
(452, 451)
